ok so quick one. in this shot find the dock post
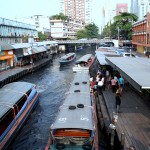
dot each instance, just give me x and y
(122, 141)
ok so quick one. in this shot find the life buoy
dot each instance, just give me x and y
(86, 146)
(60, 146)
(71, 107)
(80, 105)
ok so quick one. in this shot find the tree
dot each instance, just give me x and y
(81, 34)
(42, 37)
(124, 22)
(90, 31)
(59, 16)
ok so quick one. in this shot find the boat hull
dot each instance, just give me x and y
(19, 123)
(66, 61)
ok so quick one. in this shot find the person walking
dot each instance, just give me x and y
(118, 99)
(121, 82)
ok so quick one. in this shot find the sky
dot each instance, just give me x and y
(20, 9)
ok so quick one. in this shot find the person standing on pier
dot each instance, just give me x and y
(118, 99)
(121, 83)
(113, 85)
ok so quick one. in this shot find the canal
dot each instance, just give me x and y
(52, 83)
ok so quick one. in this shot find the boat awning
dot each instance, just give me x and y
(84, 58)
(67, 55)
(79, 118)
(38, 49)
(135, 70)
(11, 93)
(6, 57)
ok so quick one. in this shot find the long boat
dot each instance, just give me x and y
(75, 125)
(84, 63)
(67, 58)
(17, 101)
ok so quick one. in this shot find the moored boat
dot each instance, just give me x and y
(75, 125)
(17, 100)
(67, 58)
(84, 63)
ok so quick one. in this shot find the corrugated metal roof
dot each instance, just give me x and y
(38, 49)
(21, 45)
(5, 46)
(84, 58)
(79, 118)
(135, 70)
(11, 93)
(102, 54)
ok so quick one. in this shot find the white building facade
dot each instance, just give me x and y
(61, 29)
(42, 23)
(16, 32)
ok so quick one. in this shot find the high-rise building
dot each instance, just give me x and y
(77, 9)
(134, 7)
(121, 8)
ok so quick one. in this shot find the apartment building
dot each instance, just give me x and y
(141, 34)
(16, 32)
(65, 29)
(42, 23)
(78, 9)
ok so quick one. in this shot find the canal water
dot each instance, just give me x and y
(52, 83)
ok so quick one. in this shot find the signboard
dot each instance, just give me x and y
(10, 52)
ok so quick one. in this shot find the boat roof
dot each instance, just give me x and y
(135, 70)
(84, 58)
(67, 55)
(79, 118)
(11, 93)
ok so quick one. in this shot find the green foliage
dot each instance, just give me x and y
(59, 16)
(81, 34)
(42, 37)
(90, 31)
(124, 23)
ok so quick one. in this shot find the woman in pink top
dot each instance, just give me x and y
(113, 85)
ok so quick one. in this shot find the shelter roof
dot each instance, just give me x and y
(5, 46)
(38, 49)
(135, 70)
(105, 52)
(21, 45)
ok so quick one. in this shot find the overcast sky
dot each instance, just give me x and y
(19, 9)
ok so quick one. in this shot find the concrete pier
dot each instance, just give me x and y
(13, 74)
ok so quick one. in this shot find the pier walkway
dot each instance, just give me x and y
(13, 74)
(133, 119)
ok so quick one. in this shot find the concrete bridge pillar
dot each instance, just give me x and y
(75, 47)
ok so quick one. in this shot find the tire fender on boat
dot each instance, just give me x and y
(80, 105)
(72, 107)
